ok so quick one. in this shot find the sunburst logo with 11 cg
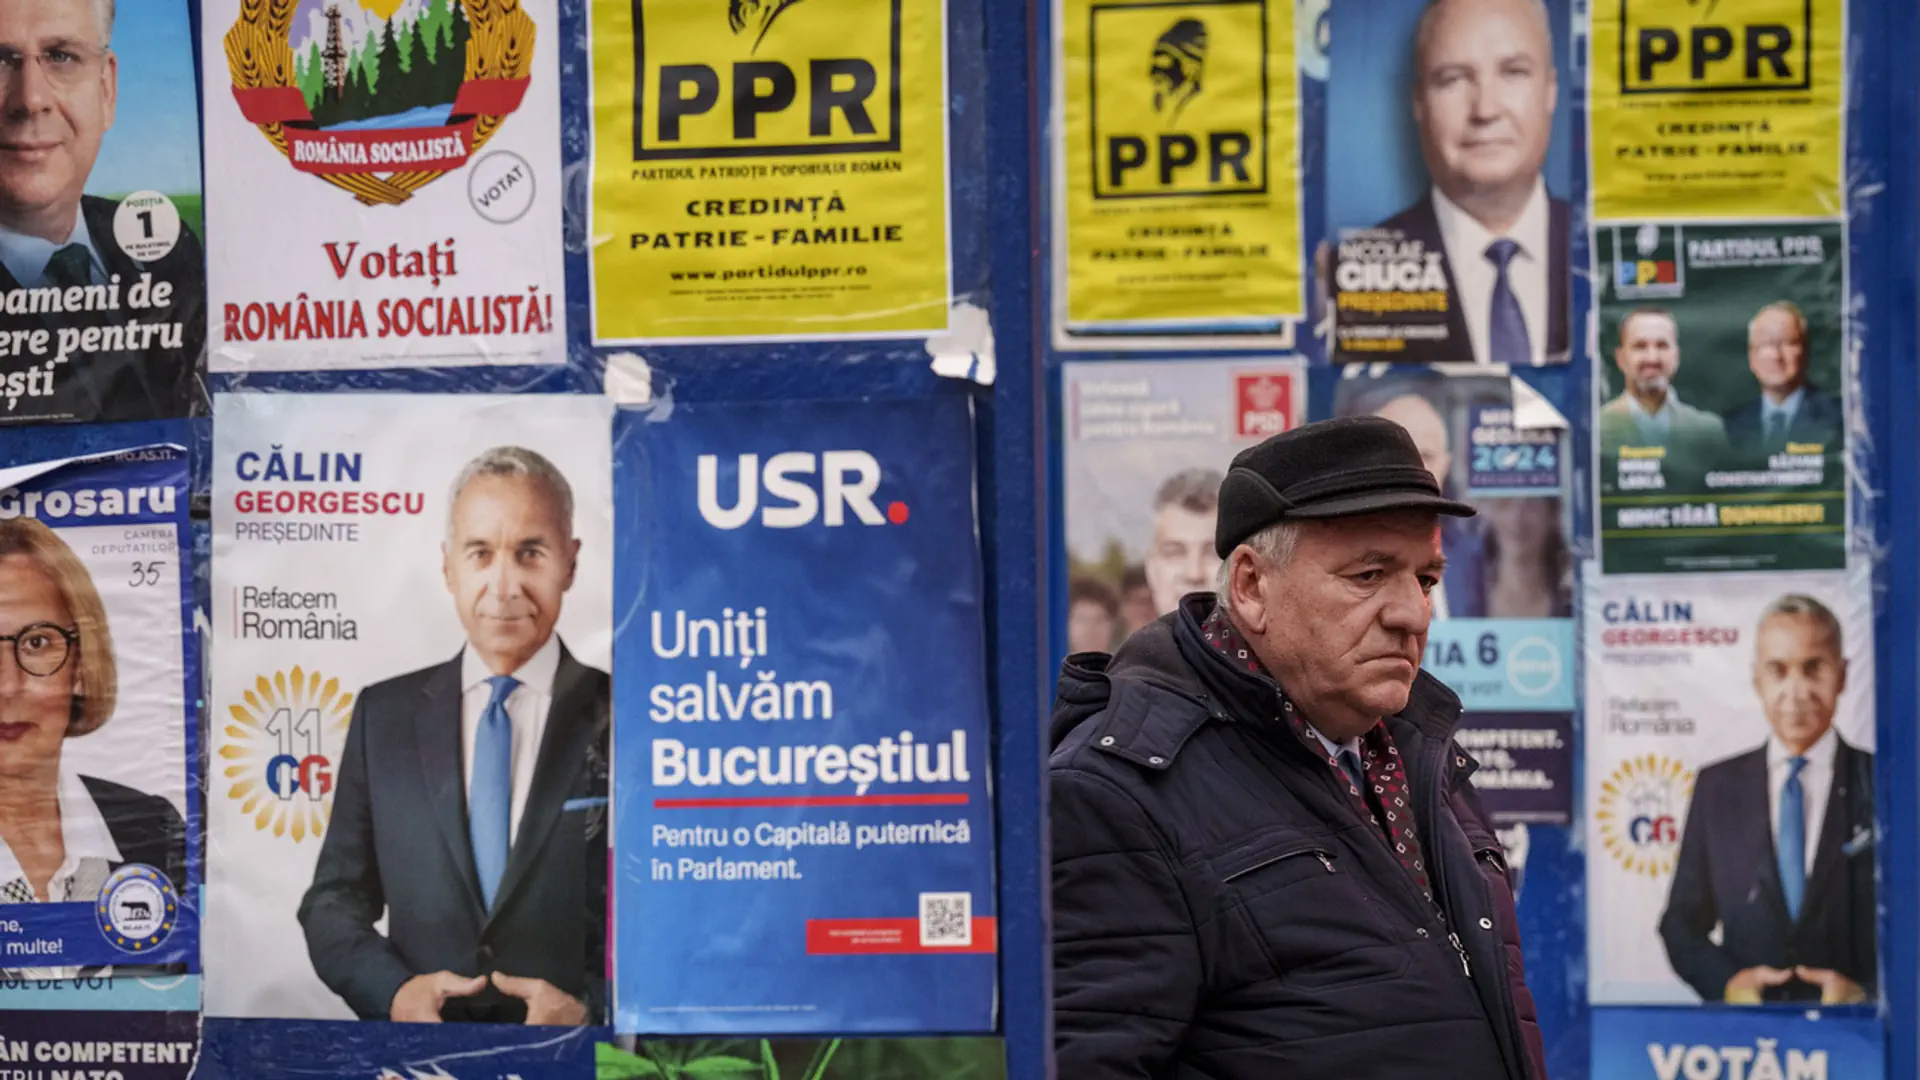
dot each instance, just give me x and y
(276, 760)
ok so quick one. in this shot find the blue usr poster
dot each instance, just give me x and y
(802, 833)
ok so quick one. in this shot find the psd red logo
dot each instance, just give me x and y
(1264, 403)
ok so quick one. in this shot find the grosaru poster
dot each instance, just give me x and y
(385, 183)
(1449, 182)
(1502, 635)
(1178, 165)
(1721, 426)
(1729, 806)
(98, 743)
(804, 834)
(102, 275)
(1718, 110)
(768, 170)
(1144, 447)
(410, 707)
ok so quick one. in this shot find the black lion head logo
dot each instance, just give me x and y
(755, 15)
(1179, 61)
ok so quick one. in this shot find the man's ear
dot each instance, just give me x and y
(110, 74)
(573, 563)
(446, 567)
(1247, 590)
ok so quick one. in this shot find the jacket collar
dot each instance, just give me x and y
(1165, 683)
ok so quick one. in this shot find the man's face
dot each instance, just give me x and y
(1089, 627)
(1182, 559)
(1776, 352)
(1648, 353)
(57, 103)
(1799, 673)
(1484, 94)
(1429, 431)
(1348, 615)
(508, 559)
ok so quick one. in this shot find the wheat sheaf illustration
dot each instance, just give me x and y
(260, 55)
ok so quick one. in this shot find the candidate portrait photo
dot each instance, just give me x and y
(1473, 162)
(471, 805)
(1773, 896)
(97, 103)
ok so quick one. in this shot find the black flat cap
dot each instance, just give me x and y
(1326, 469)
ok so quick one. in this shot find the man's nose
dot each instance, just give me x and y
(1408, 608)
(504, 580)
(1480, 103)
(26, 89)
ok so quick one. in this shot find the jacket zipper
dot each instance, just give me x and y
(1325, 858)
(1435, 760)
(1466, 968)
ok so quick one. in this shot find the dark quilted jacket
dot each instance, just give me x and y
(1221, 911)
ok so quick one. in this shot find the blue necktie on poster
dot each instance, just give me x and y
(1506, 325)
(490, 796)
(1793, 837)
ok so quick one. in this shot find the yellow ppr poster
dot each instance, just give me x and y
(1718, 110)
(1180, 154)
(768, 169)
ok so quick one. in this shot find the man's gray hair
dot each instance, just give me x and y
(1274, 544)
(1803, 606)
(516, 461)
(103, 14)
(1197, 491)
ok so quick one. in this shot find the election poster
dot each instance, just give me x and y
(1449, 182)
(800, 722)
(1718, 110)
(1144, 447)
(1722, 412)
(1729, 793)
(98, 743)
(1677, 1044)
(102, 275)
(769, 170)
(1502, 632)
(410, 708)
(1177, 165)
(385, 183)
(83, 1045)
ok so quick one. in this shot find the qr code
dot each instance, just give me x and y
(946, 918)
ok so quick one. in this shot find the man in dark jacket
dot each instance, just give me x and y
(1267, 860)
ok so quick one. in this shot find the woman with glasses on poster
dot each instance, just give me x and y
(62, 834)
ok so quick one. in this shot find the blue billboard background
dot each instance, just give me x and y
(800, 722)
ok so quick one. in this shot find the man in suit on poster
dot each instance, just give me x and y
(1462, 591)
(1484, 89)
(59, 84)
(1790, 409)
(1648, 412)
(1779, 841)
(471, 806)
